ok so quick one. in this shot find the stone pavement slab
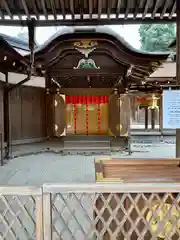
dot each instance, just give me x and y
(42, 168)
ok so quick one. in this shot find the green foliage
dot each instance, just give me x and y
(156, 37)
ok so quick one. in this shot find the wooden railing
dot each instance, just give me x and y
(91, 211)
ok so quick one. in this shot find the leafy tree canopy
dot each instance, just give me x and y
(156, 37)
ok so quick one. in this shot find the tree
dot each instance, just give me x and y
(156, 37)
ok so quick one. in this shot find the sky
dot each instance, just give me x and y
(128, 32)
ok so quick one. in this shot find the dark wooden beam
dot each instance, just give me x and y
(52, 3)
(155, 8)
(109, 3)
(44, 9)
(89, 22)
(63, 9)
(35, 9)
(127, 9)
(85, 72)
(99, 8)
(164, 8)
(138, 2)
(173, 10)
(6, 6)
(90, 8)
(146, 8)
(25, 9)
(72, 8)
(118, 8)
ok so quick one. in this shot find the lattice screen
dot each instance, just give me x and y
(17, 218)
(116, 216)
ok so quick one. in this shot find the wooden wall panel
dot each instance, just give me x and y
(15, 113)
(27, 113)
(1, 109)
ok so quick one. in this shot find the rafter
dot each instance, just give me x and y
(138, 3)
(63, 8)
(173, 10)
(25, 9)
(53, 7)
(109, 5)
(99, 8)
(127, 9)
(44, 9)
(6, 6)
(72, 8)
(164, 9)
(155, 8)
(90, 8)
(118, 8)
(146, 8)
(35, 9)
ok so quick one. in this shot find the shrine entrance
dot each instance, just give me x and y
(87, 115)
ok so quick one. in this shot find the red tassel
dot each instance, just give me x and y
(99, 119)
(86, 119)
(75, 118)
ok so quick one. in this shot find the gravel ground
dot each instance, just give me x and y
(56, 168)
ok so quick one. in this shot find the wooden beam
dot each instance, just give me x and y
(85, 72)
(118, 8)
(89, 22)
(44, 9)
(146, 9)
(26, 9)
(6, 6)
(52, 3)
(109, 7)
(99, 8)
(127, 9)
(35, 9)
(155, 8)
(90, 8)
(63, 8)
(173, 10)
(72, 8)
(164, 9)
(138, 3)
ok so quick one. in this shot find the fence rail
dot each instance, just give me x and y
(91, 211)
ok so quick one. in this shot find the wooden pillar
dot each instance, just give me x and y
(178, 68)
(153, 116)
(49, 109)
(7, 119)
(146, 118)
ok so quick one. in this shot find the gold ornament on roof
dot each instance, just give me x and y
(85, 46)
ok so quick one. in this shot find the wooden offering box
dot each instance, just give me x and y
(137, 170)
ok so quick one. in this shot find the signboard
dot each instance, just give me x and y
(171, 109)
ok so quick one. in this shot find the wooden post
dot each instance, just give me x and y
(146, 118)
(178, 68)
(49, 108)
(153, 115)
(7, 119)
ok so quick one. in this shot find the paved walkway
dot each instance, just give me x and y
(56, 168)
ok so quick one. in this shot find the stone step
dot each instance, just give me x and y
(90, 150)
(87, 144)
